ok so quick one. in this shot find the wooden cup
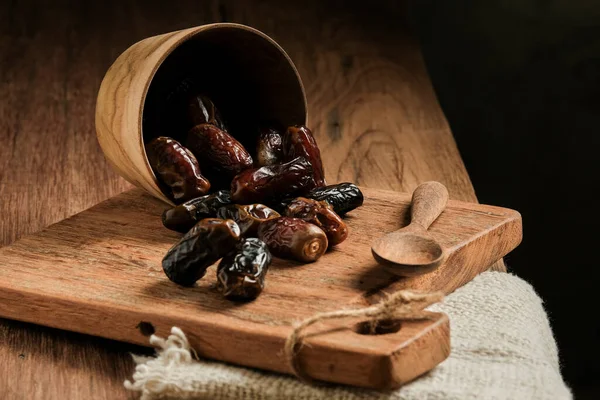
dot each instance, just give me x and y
(246, 73)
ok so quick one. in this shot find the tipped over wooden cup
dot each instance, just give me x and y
(244, 71)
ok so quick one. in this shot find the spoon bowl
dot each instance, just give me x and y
(413, 253)
(411, 250)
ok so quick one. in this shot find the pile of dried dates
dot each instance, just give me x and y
(244, 207)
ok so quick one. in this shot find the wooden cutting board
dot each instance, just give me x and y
(99, 272)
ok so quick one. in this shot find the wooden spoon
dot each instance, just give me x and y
(411, 250)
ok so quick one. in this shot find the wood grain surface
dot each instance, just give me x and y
(113, 251)
(371, 103)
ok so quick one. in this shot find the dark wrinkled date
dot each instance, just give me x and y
(247, 216)
(293, 238)
(269, 147)
(241, 273)
(201, 110)
(343, 197)
(177, 169)
(321, 214)
(183, 217)
(262, 185)
(220, 155)
(299, 141)
(202, 246)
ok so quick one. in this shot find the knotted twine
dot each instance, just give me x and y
(401, 305)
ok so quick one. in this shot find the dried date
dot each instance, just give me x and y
(321, 214)
(269, 147)
(177, 169)
(293, 238)
(220, 155)
(183, 217)
(268, 183)
(241, 273)
(343, 197)
(247, 216)
(201, 110)
(298, 141)
(203, 245)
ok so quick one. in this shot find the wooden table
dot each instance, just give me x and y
(371, 105)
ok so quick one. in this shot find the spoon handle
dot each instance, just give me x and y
(428, 201)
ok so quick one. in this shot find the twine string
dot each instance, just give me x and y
(401, 305)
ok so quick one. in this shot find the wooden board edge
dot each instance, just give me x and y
(90, 319)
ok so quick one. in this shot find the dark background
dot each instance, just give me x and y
(519, 82)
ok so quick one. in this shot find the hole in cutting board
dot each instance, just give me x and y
(146, 328)
(382, 327)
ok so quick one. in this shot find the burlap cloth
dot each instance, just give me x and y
(502, 348)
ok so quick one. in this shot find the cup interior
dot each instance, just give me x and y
(250, 79)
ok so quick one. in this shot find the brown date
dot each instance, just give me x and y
(184, 216)
(241, 273)
(268, 183)
(269, 146)
(298, 141)
(209, 240)
(247, 216)
(201, 110)
(177, 169)
(343, 197)
(293, 238)
(321, 214)
(220, 155)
